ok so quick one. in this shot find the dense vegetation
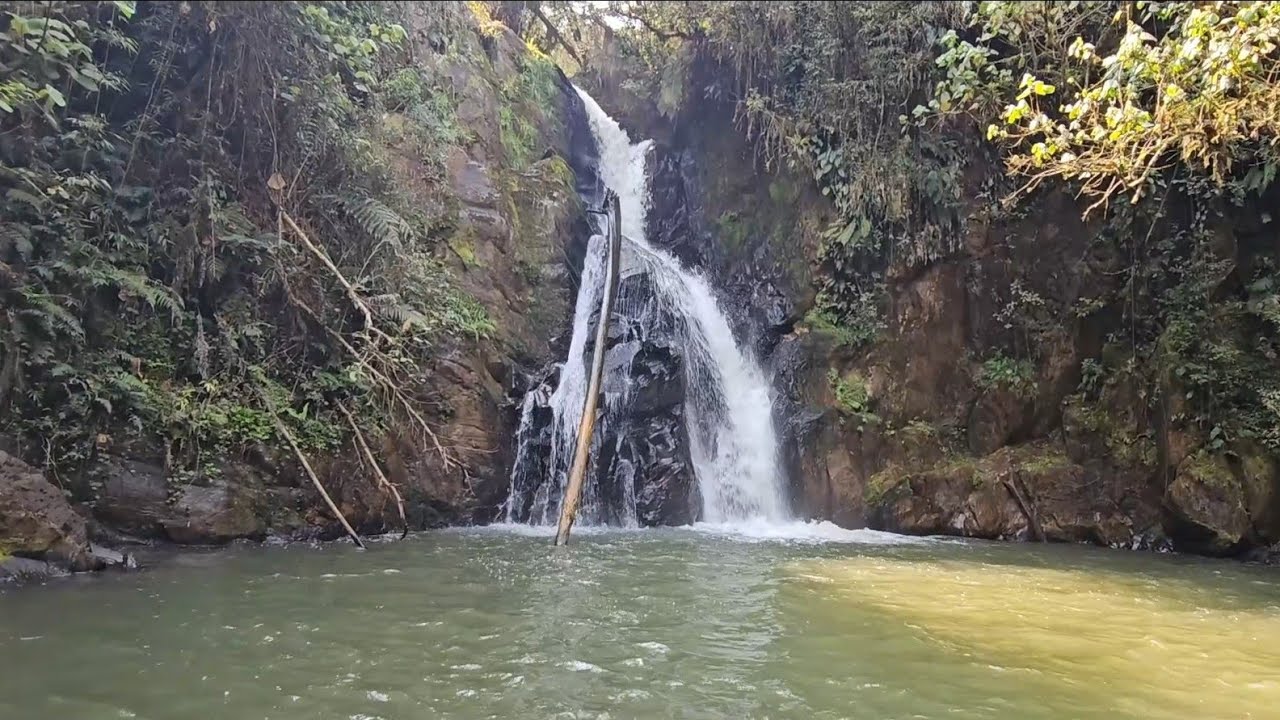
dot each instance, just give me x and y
(203, 239)
(915, 118)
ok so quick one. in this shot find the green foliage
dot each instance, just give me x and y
(525, 97)
(1220, 356)
(1145, 88)
(1002, 371)
(1209, 469)
(860, 329)
(347, 42)
(146, 286)
(43, 56)
(1091, 374)
(884, 486)
(404, 89)
(518, 136)
(852, 398)
(468, 316)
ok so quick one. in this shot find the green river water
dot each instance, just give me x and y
(496, 623)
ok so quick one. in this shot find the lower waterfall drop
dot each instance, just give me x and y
(728, 414)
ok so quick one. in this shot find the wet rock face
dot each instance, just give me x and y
(37, 523)
(998, 417)
(1030, 492)
(641, 445)
(137, 500)
(649, 380)
(646, 441)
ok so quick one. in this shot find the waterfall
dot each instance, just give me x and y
(727, 405)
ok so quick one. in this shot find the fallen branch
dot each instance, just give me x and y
(1034, 523)
(288, 436)
(387, 384)
(377, 470)
(324, 258)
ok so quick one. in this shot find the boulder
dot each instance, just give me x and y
(1208, 506)
(37, 522)
(214, 514)
(997, 418)
(136, 498)
(26, 570)
(1023, 492)
(133, 496)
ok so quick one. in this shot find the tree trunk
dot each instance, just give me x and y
(577, 474)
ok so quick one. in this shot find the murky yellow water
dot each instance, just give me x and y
(1088, 642)
(649, 624)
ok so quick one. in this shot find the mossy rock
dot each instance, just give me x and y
(972, 497)
(1260, 475)
(1208, 507)
(1095, 430)
(37, 522)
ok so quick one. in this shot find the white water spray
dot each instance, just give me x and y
(728, 406)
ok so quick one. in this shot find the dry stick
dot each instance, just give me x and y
(390, 386)
(346, 284)
(288, 436)
(382, 479)
(577, 475)
(356, 355)
(1023, 505)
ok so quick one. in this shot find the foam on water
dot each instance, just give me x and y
(812, 532)
(750, 531)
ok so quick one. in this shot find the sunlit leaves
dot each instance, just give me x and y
(1202, 93)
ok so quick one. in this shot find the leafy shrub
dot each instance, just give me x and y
(1002, 371)
(852, 398)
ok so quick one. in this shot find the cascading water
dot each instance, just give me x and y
(727, 407)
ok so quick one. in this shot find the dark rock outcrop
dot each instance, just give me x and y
(1031, 492)
(37, 524)
(645, 442)
(138, 500)
(640, 448)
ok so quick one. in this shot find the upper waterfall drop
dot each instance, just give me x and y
(728, 412)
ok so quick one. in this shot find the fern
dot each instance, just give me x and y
(407, 317)
(381, 223)
(155, 295)
(16, 238)
(55, 319)
(103, 274)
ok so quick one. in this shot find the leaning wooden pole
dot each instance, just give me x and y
(578, 472)
(315, 480)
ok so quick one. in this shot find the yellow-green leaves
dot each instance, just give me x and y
(1031, 85)
(1177, 82)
